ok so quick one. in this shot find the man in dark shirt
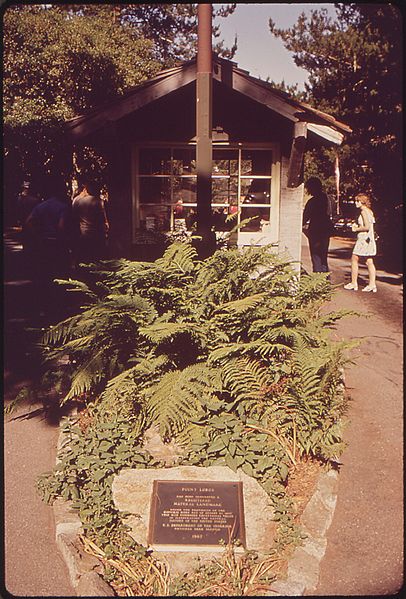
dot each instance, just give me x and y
(48, 225)
(26, 202)
(317, 214)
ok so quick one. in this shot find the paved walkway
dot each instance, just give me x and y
(33, 566)
(365, 541)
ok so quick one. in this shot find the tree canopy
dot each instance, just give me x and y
(62, 59)
(355, 70)
(55, 67)
(172, 28)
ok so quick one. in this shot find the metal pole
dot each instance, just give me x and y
(204, 128)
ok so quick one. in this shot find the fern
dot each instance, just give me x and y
(160, 332)
(88, 376)
(120, 391)
(179, 258)
(73, 286)
(157, 328)
(243, 378)
(176, 399)
(240, 306)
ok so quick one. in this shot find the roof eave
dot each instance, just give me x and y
(328, 133)
(320, 124)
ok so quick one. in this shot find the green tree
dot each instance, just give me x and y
(355, 71)
(60, 60)
(291, 90)
(172, 28)
(55, 67)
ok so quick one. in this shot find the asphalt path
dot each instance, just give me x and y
(32, 565)
(365, 542)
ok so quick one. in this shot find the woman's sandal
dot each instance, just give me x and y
(351, 286)
(369, 288)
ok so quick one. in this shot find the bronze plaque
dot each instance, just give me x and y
(196, 513)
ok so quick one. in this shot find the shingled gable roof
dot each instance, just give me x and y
(225, 71)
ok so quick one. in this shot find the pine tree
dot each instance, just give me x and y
(355, 73)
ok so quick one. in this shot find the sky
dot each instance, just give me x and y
(259, 52)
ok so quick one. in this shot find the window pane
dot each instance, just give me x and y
(256, 162)
(155, 218)
(224, 190)
(185, 217)
(184, 190)
(225, 162)
(155, 190)
(184, 161)
(219, 219)
(155, 161)
(260, 218)
(255, 191)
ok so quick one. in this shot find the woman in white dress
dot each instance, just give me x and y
(365, 246)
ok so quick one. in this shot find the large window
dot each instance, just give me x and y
(243, 188)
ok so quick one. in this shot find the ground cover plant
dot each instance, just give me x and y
(229, 356)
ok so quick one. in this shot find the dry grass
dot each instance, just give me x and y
(240, 576)
(230, 575)
(138, 576)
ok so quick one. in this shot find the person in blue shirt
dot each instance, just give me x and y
(49, 226)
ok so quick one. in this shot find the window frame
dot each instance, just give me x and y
(261, 237)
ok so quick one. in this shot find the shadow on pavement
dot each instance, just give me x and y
(395, 280)
(342, 253)
(28, 309)
(51, 413)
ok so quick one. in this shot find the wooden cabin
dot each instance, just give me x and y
(259, 138)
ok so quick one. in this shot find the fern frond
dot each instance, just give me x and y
(180, 257)
(177, 398)
(151, 365)
(313, 287)
(74, 285)
(163, 331)
(244, 378)
(192, 433)
(123, 386)
(78, 343)
(260, 348)
(87, 376)
(61, 332)
(283, 334)
(242, 305)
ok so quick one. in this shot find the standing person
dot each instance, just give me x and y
(317, 214)
(48, 225)
(90, 220)
(26, 202)
(365, 246)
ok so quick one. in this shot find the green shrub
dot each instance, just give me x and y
(230, 356)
